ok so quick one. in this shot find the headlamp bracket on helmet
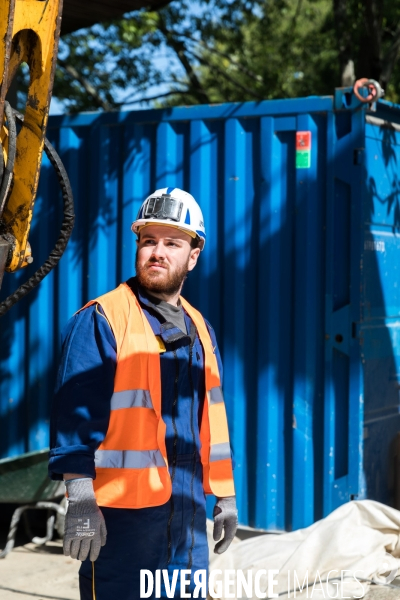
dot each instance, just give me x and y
(163, 207)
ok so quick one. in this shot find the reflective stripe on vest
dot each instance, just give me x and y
(131, 398)
(220, 451)
(128, 459)
(131, 463)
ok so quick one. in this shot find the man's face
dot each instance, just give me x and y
(164, 257)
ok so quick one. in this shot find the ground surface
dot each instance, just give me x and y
(44, 573)
(40, 573)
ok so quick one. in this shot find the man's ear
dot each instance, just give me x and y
(193, 257)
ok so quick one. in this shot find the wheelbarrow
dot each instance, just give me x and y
(24, 481)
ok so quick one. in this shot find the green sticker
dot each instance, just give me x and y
(303, 159)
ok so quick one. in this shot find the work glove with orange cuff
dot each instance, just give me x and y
(85, 529)
(225, 517)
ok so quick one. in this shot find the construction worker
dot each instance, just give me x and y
(138, 428)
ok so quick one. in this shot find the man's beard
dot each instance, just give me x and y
(152, 281)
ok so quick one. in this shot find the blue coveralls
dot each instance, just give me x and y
(171, 536)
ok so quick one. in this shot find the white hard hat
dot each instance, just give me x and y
(174, 207)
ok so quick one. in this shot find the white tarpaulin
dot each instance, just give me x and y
(360, 540)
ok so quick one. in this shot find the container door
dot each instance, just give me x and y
(344, 395)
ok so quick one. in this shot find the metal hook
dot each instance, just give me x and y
(375, 91)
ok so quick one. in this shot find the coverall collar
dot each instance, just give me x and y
(167, 331)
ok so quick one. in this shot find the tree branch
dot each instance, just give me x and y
(229, 57)
(372, 41)
(180, 49)
(296, 15)
(132, 95)
(224, 74)
(148, 99)
(343, 34)
(87, 86)
(390, 58)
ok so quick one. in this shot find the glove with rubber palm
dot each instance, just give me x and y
(85, 528)
(225, 517)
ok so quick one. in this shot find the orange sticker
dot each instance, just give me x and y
(303, 140)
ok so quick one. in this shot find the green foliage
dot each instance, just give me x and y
(229, 50)
(283, 49)
(368, 33)
(96, 64)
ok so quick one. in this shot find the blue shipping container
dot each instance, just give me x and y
(299, 278)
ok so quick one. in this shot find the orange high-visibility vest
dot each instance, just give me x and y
(131, 463)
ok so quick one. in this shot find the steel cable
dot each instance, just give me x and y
(65, 231)
(6, 172)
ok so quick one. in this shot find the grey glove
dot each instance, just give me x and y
(225, 517)
(85, 528)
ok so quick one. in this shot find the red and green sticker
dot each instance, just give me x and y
(303, 149)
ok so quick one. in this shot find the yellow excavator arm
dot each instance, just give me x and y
(29, 33)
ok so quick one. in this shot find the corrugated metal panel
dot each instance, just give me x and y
(279, 280)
